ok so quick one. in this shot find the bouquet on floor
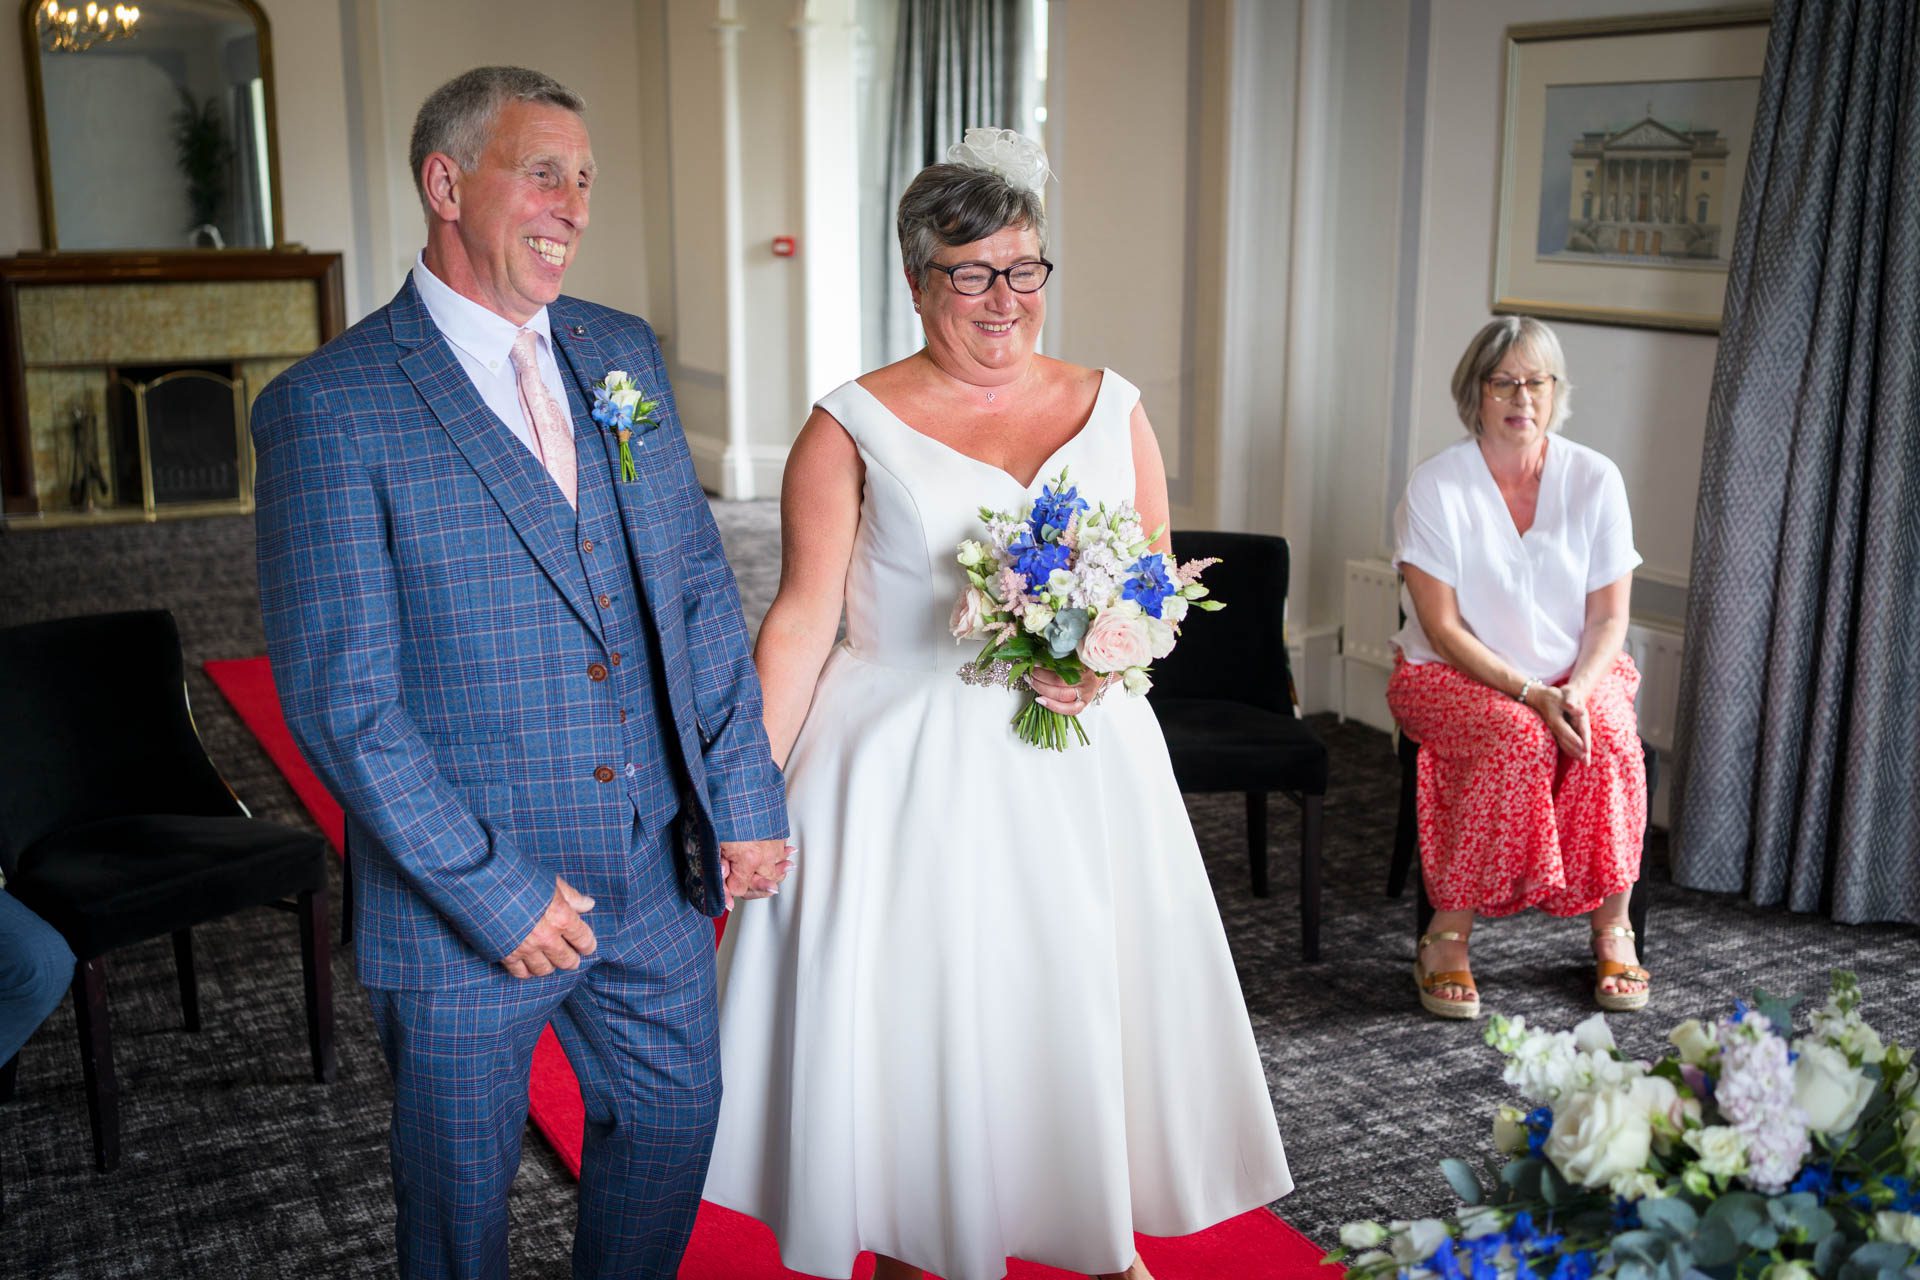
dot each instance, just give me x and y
(1747, 1153)
(1068, 587)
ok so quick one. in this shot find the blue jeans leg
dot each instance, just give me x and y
(36, 967)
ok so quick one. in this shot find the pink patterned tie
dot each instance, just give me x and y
(551, 430)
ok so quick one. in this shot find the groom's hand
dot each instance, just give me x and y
(560, 938)
(755, 868)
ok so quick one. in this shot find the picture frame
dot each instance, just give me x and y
(1623, 151)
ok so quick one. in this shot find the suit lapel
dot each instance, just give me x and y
(486, 443)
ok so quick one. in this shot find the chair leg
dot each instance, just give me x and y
(1422, 909)
(1257, 841)
(316, 959)
(96, 1061)
(1310, 877)
(1406, 827)
(1637, 917)
(189, 986)
(9, 1076)
(346, 895)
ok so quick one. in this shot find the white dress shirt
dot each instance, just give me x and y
(1524, 596)
(483, 341)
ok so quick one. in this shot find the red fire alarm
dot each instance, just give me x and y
(783, 247)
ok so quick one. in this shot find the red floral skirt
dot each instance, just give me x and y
(1508, 821)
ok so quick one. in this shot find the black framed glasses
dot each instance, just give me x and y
(1507, 390)
(975, 278)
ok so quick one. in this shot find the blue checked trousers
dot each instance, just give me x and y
(638, 1022)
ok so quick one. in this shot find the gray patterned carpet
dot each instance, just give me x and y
(236, 1164)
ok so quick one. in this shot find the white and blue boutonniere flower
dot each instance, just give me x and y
(619, 407)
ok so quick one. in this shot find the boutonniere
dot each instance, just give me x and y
(620, 408)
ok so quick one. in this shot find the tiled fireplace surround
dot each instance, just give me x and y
(68, 320)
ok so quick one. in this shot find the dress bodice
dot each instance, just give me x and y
(921, 498)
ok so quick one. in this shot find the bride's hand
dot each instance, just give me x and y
(1055, 694)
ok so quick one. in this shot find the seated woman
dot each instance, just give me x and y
(1516, 549)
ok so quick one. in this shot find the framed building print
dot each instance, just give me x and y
(1623, 149)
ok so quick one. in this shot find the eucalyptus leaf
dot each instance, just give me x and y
(1632, 1270)
(1763, 1237)
(1742, 1212)
(1713, 1243)
(1523, 1176)
(1460, 1177)
(1828, 1253)
(1869, 1260)
(1554, 1188)
(1649, 1247)
(1673, 1214)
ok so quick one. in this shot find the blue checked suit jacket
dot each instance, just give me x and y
(431, 653)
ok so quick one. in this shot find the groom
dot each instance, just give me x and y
(528, 683)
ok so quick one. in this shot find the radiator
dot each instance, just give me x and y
(1655, 649)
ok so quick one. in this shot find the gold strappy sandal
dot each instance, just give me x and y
(1429, 983)
(1619, 1001)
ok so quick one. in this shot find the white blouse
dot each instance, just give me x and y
(1523, 596)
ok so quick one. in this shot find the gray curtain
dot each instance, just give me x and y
(1798, 777)
(956, 64)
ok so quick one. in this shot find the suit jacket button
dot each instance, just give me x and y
(606, 602)
(596, 672)
(604, 773)
(616, 657)
(587, 545)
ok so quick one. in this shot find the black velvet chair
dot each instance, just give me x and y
(116, 828)
(1406, 844)
(1225, 702)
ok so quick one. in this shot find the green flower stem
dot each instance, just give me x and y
(1043, 728)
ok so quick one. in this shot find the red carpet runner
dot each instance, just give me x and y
(728, 1245)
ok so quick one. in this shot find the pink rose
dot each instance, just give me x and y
(1115, 642)
(969, 619)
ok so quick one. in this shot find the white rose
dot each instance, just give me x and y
(1593, 1035)
(1174, 610)
(1694, 1040)
(1828, 1088)
(1790, 1269)
(1902, 1228)
(1415, 1242)
(1722, 1148)
(1115, 642)
(628, 397)
(1363, 1235)
(972, 554)
(1509, 1131)
(1598, 1136)
(1137, 681)
(615, 377)
(1035, 617)
(970, 611)
(1664, 1110)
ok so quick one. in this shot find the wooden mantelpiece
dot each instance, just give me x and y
(68, 319)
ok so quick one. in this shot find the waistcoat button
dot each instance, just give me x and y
(596, 672)
(604, 773)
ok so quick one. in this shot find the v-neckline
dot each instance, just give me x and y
(1500, 499)
(982, 463)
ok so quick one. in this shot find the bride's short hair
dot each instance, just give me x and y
(954, 204)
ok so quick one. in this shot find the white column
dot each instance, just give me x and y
(824, 37)
(737, 465)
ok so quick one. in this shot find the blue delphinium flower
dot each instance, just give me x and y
(1539, 1123)
(607, 413)
(1905, 1198)
(1577, 1265)
(1626, 1215)
(1817, 1177)
(1148, 584)
(1036, 561)
(1054, 510)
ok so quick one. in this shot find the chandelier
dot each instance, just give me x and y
(76, 30)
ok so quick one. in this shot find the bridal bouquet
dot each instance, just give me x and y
(1747, 1153)
(1069, 588)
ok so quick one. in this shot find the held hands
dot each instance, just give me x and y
(559, 939)
(1055, 694)
(755, 868)
(1564, 708)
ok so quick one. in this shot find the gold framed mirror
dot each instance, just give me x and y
(153, 124)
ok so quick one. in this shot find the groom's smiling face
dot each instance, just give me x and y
(522, 210)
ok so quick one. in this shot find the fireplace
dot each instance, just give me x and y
(126, 379)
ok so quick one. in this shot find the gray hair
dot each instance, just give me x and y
(1490, 346)
(955, 204)
(457, 118)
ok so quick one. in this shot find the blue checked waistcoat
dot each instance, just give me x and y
(455, 648)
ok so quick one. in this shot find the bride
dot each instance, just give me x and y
(996, 1015)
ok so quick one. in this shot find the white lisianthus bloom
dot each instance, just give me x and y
(1137, 681)
(1638, 1185)
(1363, 1235)
(1832, 1091)
(1664, 1110)
(1695, 1041)
(1593, 1035)
(972, 554)
(1789, 1269)
(1722, 1148)
(1035, 617)
(1541, 1064)
(1174, 610)
(1414, 1242)
(628, 397)
(1599, 1135)
(1901, 1228)
(1061, 583)
(1509, 1131)
(1480, 1220)
(1910, 1140)
(1160, 636)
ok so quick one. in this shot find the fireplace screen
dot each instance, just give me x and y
(180, 437)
